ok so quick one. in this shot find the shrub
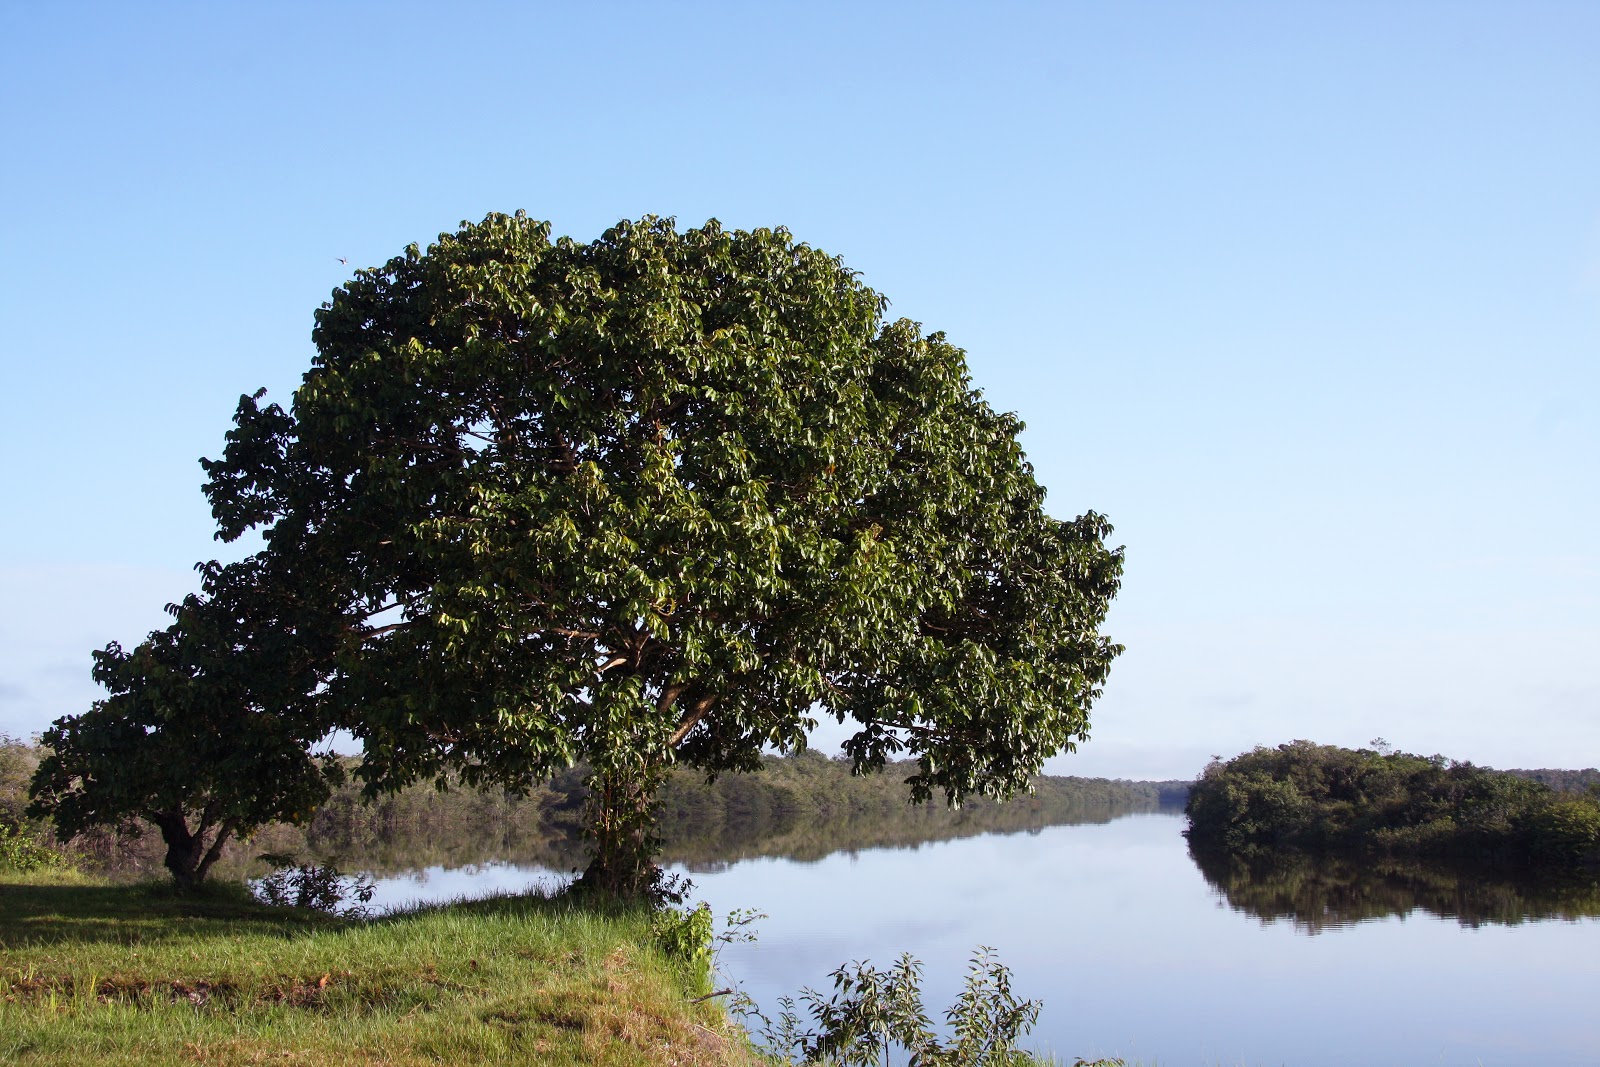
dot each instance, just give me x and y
(871, 1011)
(23, 851)
(686, 936)
(318, 886)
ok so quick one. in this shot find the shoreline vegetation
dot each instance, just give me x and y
(1376, 802)
(801, 806)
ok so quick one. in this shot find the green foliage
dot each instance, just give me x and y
(1563, 830)
(1565, 781)
(1310, 796)
(687, 936)
(662, 498)
(206, 732)
(20, 850)
(871, 1011)
(318, 886)
(18, 759)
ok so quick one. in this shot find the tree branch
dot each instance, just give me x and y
(215, 851)
(587, 635)
(381, 630)
(697, 711)
(669, 696)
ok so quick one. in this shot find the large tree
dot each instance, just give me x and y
(208, 728)
(665, 497)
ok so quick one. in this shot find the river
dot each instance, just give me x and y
(1135, 952)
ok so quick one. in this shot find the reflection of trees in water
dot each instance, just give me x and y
(423, 827)
(802, 807)
(806, 806)
(807, 841)
(1318, 892)
(710, 844)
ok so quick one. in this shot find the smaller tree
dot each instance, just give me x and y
(208, 730)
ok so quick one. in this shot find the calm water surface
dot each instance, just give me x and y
(1135, 954)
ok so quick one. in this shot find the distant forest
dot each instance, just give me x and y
(1562, 781)
(802, 806)
(1396, 804)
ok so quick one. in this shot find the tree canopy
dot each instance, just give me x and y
(666, 496)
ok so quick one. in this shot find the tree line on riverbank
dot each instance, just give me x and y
(1323, 797)
(801, 806)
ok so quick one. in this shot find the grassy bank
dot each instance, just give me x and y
(91, 972)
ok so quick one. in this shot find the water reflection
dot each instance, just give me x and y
(910, 827)
(1317, 893)
(426, 867)
(699, 846)
(1136, 952)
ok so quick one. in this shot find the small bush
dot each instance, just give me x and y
(318, 886)
(872, 1011)
(23, 851)
(686, 936)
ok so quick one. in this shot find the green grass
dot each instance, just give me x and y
(107, 974)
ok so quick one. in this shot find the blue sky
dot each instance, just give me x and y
(1305, 297)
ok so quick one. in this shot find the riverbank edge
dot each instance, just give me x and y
(140, 974)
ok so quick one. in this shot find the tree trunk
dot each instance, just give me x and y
(189, 855)
(618, 823)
